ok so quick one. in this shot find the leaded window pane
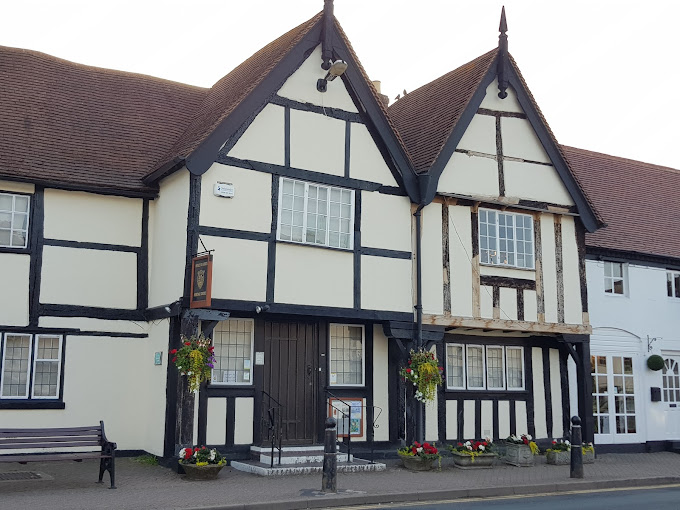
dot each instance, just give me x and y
(514, 368)
(17, 349)
(494, 368)
(506, 239)
(14, 211)
(233, 340)
(475, 366)
(454, 366)
(346, 355)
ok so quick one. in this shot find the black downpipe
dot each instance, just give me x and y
(418, 343)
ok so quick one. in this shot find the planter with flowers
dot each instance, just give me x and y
(559, 454)
(473, 454)
(424, 372)
(195, 360)
(201, 463)
(520, 450)
(419, 457)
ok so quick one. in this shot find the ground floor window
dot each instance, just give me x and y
(346, 355)
(233, 342)
(478, 367)
(30, 366)
(671, 380)
(613, 394)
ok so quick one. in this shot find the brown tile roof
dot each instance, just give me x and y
(426, 117)
(86, 127)
(639, 201)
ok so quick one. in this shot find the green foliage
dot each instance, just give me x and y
(655, 362)
(424, 372)
(194, 359)
(147, 459)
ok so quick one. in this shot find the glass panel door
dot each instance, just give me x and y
(671, 396)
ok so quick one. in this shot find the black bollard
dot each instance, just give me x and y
(329, 482)
(576, 470)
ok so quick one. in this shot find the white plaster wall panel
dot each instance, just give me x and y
(432, 267)
(468, 419)
(535, 182)
(491, 100)
(195, 426)
(317, 143)
(14, 271)
(503, 418)
(480, 135)
(301, 86)
(365, 161)
(381, 384)
(549, 267)
(168, 239)
(573, 388)
(74, 276)
(572, 281)
(17, 187)
(556, 393)
(487, 418)
(264, 139)
(521, 426)
(239, 268)
(303, 278)
(431, 421)
(243, 429)
(451, 419)
(530, 306)
(520, 140)
(460, 246)
(87, 324)
(251, 207)
(216, 428)
(386, 284)
(469, 175)
(508, 304)
(539, 392)
(385, 221)
(86, 217)
(486, 301)
(507, 272)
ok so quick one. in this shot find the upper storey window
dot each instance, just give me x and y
(673, 284)
(506, 239)
(316, 214)
(13, 220)
(614, 278)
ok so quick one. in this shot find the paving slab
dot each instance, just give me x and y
(72, 486)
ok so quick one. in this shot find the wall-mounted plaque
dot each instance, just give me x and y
(201, 281)
(349, 415)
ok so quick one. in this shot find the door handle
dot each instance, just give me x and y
(309, 370)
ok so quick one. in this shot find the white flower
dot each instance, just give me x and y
(212, 454)
(468, 446)
(419, 449)
(182, 452)
(415, 376)
(528, 437)
(567, 442)
(467, 443)
(481, 447)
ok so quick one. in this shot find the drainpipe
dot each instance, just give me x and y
(418, 343)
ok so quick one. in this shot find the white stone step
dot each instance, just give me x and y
(257, 468)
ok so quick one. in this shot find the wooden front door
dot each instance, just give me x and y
(291, 376)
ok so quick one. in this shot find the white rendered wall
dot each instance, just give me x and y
(86, 217)
(168, 239)
(555, 394)
(264, 138)
(491, 100)
(460, 246)
(14, 271)
(243, 425)
(451, 419)
(87, 324)
(251, 207)
(508, 304)
(480, 135)
(535, 182)
(216, 421)
(317, 143)
(16, 187)
(549, 266)
(381, 384)
(385, 221)
(432, 271)
(573, 313)
(365, 160)
(76, 276)
(470, 175)
(386, 284)
(539, 392)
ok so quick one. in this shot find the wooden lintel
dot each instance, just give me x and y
(507, 325)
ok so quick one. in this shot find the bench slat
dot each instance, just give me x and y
(51, 439)
(51, 431)
(47, 433)
(23, 446)
(52, 457)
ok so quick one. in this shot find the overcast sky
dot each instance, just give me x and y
(605, 73)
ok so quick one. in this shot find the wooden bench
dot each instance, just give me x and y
(41, 445)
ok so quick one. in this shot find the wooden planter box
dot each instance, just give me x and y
(481, 461)
(416, 463)
(518, 455)
(564, 458)
(194, 472)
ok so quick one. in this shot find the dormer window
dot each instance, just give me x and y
(506, 239)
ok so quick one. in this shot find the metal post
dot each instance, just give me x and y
(576, 470)
(329, 481)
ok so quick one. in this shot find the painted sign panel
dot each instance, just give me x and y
(201, 281)
(349, 415)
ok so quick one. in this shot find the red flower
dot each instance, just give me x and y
(441, 368)
(485, 443)
(409, 362)
(460, 444)
(174, 351)
(426, 445)
(413, 450)
(174, 359)
(416, 444)
(188, 453)
(408, 370)
(554, 442)
(187, 343)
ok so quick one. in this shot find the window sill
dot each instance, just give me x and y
(505, 266)
(19, 251)
(31, 404)
(311, 245)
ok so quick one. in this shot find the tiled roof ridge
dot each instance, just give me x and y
(621, 159)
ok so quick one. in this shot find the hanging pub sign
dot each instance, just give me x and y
(201, 281)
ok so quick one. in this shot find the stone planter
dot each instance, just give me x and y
(518, 455)
(416, 463)
(194, 472)
(558, 458)
(481, 461)
(589, 458)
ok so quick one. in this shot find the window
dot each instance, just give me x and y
(614, 278)
(13, 220)
(233, 342)
(613, 395)
(673, 284)
(316, 214)
(478, 367)
(506, 239)
(671, 380)
(347, 355)
(31, 366)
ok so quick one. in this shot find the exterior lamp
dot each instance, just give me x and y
(337, 68)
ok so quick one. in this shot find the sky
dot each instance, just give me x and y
(605, 73)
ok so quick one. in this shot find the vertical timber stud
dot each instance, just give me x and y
(476, 288)
(441, 396)
(185, 397)
(37, 219)
(545, 352)
(172, 394)
(538, 254)
(357, 251)
(499, 157)
(529, 384)
(564, 385)
(559, 267)
(585, 388)
(581, 244)
(446, 259)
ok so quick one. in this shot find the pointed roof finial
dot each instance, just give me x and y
(502, 57)
(326, 44)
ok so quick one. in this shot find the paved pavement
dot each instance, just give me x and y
(71, 485)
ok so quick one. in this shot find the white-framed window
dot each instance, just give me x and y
(233, 341)
(614, 278)
(347, 357)
(31, 366)
(315, 214)
(671, 380)
(478, 367)
(673, 284)
(14, 211)
(506, 239)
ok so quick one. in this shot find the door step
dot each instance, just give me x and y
(304, 468)
(292, 455)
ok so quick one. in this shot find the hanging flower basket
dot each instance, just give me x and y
(424, 372)
(195, 360)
